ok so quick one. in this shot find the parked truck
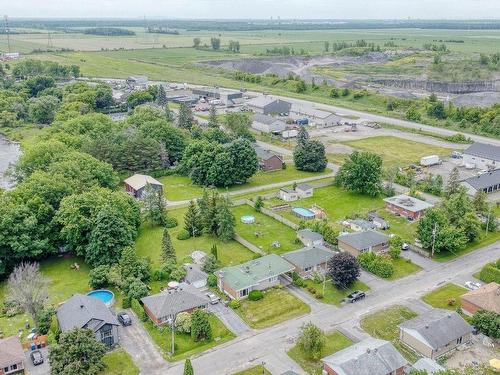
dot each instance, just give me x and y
(430, 160)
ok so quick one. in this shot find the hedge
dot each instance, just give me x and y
(255, 295)
(377, 264)
(490, 273)
(139, 311)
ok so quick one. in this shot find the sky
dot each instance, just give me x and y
(258, 9)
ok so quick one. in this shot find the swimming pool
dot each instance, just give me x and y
(106, 296)
(248, 219)
(303, 213)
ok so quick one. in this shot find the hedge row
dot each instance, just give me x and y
(490, 273)
(377, 264)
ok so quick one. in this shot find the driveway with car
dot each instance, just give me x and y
(42, 369)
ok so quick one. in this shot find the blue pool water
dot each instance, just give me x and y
(303, 212)
(105, 296)
(248, 219)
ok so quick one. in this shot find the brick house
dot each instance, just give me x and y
(485, 298)
(406, 206)
(135, 185)
(309, 260)
(368, 357)
(268, 161)
(11, 356)
(360, 242)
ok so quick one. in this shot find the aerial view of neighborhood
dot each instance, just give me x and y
(218, 187)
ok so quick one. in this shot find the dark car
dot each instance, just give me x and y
(36, 357)
(355, 296)
(124, 319)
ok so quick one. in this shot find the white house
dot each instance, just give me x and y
(288, 195)
(304, 191)
(267, 124)
(482, 156)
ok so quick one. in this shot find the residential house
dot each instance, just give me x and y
(82, 311)
(316, 116)
(198, 257)
(11, 356)
(482, 156)
(488, 182)
(267, 124)
(268, 105)
(259, 274)
(485, 298)
(288, 195)
(268, 161)
(360, 242)
(195, 276)
(429, 365)
(167, 304)
(309, 260)
(304, 191)
(435, 332)
(368, 357)
(409, 207)
(310, 238)
(136, 184)
(360, 225)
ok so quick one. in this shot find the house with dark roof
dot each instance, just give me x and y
(267, 124)
(482, 156)
(406, 206)
(309, 260)
(136, 184)
(488, 182)
(268, 161)
(368, 357)
(82, 311)
(11, 356)
(195, 276)
(435, 332)
(487, 298)
(268, 105)
(310, 238)
(365, 241)
(167, 304)
(259, 274)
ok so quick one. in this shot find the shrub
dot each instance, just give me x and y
(376, 264)
(178, 274)
(490, 273)
(98, 277)
(488, 323)
(183, 322)
(212, 281)
(45, 320)
(126, 303)
(234, 304)
(255, 295)
(183, 235)
(317, 278)
(171, 222)
(137, 308)
(297, 280)
(311, 290)
(451, 302)
(319, 295)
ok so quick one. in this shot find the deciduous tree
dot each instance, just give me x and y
(344, 270)
(200, 326)
(361, 173)
(312, 340)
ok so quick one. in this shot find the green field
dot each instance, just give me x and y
(119, 362)
(445, 297)
(332, 295)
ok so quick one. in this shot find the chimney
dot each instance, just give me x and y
(81, 306)
(368, 350)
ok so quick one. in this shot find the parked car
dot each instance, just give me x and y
(355, 296)
(472, 285)
(213, 298)
(405, 246)
(124, 319)
(36, 357)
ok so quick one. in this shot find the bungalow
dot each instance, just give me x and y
(309, 260)
(267, 124)
(195, 276)
(82, 311)
(359, 225)
(259, 274)
(268, 105)
(409, 207)
(268, 161)
(136, 184)
(368, 357)
(360, 242)
(11, 356)
(166, 305)
(288, 195)
(488, 182)
(435, 333)
(304, 191)
(310, 238)
(485, 298)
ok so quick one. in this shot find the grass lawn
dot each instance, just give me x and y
(148, 244)
(269, 230)
(384, 325)
(335, 341)
(178, 188)
(439, 297)
(486, 240)
(333, 296)
(277, 306)
(185, 346)
(256, 370)
(119, 362)
(403, 268)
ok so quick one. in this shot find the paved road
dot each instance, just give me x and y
(229, 318)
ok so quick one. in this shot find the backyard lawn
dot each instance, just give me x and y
(185, 346)
(442, 296)
(384, 325)
(332, 295)
(277, 306)
(256, 370)
(119, 362)
(265, 230)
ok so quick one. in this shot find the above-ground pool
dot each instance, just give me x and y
(106, 296)
(248, 219)
(303, 213)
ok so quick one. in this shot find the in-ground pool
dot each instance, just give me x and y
(303, 213)
(106, 296)
(248, 219)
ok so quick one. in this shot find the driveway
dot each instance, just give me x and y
(230, 319)
(43, 369)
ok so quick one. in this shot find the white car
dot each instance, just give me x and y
(472, 285)
(213, 298)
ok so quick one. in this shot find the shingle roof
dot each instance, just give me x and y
(408, 203)
(428, 365)
(486, 297)
(309, 256)
(263, 100)
(368, 357)
(484, 180)
(138, 181)
(251, 273)
(194, 273)
(79, 310)
(11, 351)
(309, 235)
(364, 224)
(264, 119)
(263, 154)
(437, 327)
(484, 150)
(363, 240)
(172, 302)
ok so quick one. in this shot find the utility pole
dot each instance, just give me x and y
(49, 40)
(488, 219)
(434, 231)
(7, 31)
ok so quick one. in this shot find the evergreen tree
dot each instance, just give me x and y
(188, 367)
(479, 202)
(168, 113)
(192, 221)
(213, 121)
(214, 251)
(185, 120)
(453, 182)
(154, 205)
(225, 220)
(200, 326)
(302, 136)
(167, 249)
(161, 97)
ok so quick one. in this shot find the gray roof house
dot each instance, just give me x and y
(135, 185)
(488, 182)
(82, 311)
(195, 276)
(309, 260)
(267, 105)
(268, 160)
(310, 238)
(368, 357)
(360, 242)
(168, 303)
(435, 332)
(305, 190)
(11, 356)
(429, 365)
(267, 124)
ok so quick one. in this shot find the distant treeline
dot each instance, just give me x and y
(108, 31)
(162, 30)
(247, 25)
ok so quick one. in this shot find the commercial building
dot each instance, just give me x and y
(268, 105)
(267, 124)
(316, 116)
(409, 207)
(482, 156)
(488, 182)
(227, 97)
(361, 242)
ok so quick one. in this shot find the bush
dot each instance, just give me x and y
(451, 301)
(98, 277)
(297, 280)
(212, 281)
(183, 322)
(488, 323)
(171, 222)
(319, 295)
(317, 278)
(376, 264)
(490, 273)
(137, 308)
(178, 274)
(126, 303)
(255, 295)
(45, 320)
(234, 304)
(183, 235)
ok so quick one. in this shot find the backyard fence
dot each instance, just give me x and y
(279, 218)
(250, 246)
